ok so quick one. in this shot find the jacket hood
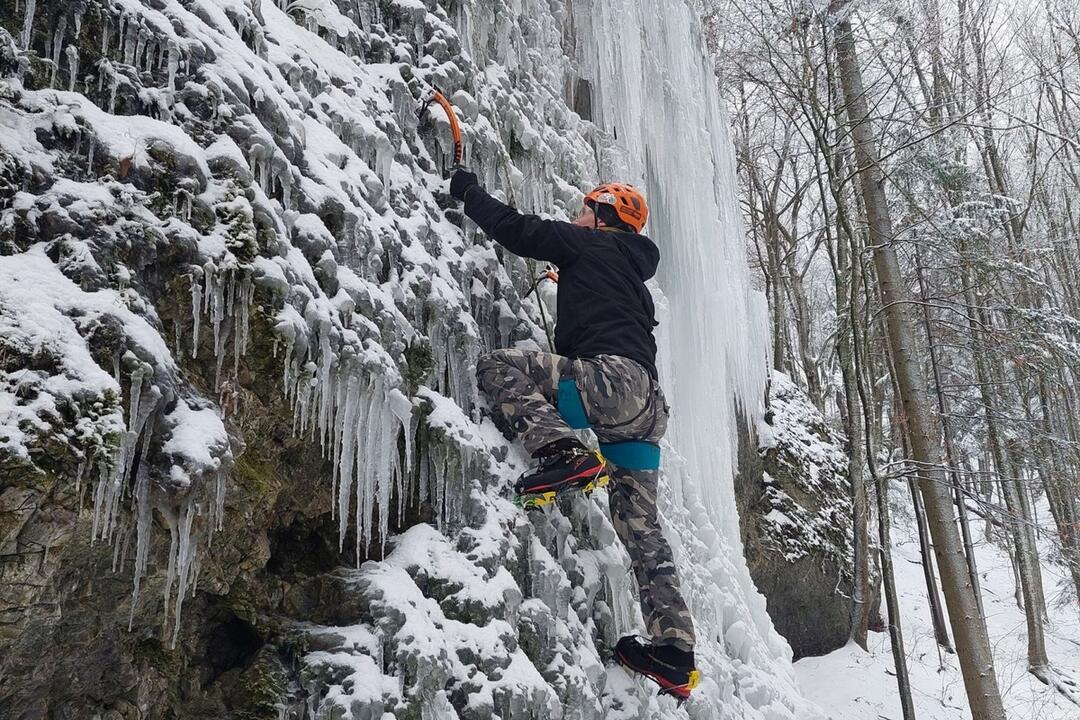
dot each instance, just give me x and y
(642, 251)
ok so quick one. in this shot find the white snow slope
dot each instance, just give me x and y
(851, 684)
(296, 168)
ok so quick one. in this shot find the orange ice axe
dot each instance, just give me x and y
(455, 127)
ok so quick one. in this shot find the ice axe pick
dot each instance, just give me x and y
(455, 128)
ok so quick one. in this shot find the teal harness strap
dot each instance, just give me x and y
(627, 454)
(632, 454)
(570, 406)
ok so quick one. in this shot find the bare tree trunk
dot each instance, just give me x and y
(802, 318)
(941, 633)
(1027, 508)
(896, 637)
(972, 643)
(950, 455)
(1006, 472)
(926, 550)
(1023, 553)
(1026, 558)
(881, 486)
(844, 274)
(1062, 505)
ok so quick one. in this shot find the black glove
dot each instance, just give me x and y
(461, 182)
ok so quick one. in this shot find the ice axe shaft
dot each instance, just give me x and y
(455, 127)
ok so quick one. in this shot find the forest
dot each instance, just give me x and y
(908, 174)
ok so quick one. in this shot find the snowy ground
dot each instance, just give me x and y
(852, 684)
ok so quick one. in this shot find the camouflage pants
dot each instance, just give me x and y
(623, 403)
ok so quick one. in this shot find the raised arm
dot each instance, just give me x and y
(525, 235)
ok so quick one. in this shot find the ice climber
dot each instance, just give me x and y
(602, 376)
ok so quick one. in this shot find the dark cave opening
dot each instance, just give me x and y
(231, 644)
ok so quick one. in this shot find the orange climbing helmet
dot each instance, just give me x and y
(627, 200)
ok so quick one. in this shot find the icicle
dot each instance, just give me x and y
(339, 432)
(183, 563)
(196, 567)
(217, 514)
(384, 450)
(142, 534)
(106, 26)
(209, 269)
(79, 477)
(238, 338)
(214, 300)
(372, 469)
(245, 312)
(114, 85)
(384, 161)
(264, 164)
(438, 484)
(254, 152)
(133, 42)
(286, 190)
(57, 46)
(72, 53)
(121, 37)
(137, 377)
(325, 382)
(28, 24)
(107, 480)
(180, 202)
(178, 330)
(260, 43)
(230, 293)
(196, 307)
(110, 486)
(146, 62)
(170, 573)
(119, 556)
(343, 475)
(173, 64)
(402, 408)
(286, 366)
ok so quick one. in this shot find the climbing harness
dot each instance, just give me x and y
(626, 454)
(455, 128)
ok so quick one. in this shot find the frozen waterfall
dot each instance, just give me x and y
(655, 99)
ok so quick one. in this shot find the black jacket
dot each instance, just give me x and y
(604, 306)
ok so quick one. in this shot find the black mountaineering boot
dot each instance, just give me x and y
(564, 465)
(670, 668)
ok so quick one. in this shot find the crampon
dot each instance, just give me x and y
(575, 468)
(676, 678)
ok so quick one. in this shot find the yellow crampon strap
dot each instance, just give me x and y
(539, 500)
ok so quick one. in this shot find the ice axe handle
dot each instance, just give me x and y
(455, 127)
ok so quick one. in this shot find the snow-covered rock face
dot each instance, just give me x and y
(238, 325)
(797, 522)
